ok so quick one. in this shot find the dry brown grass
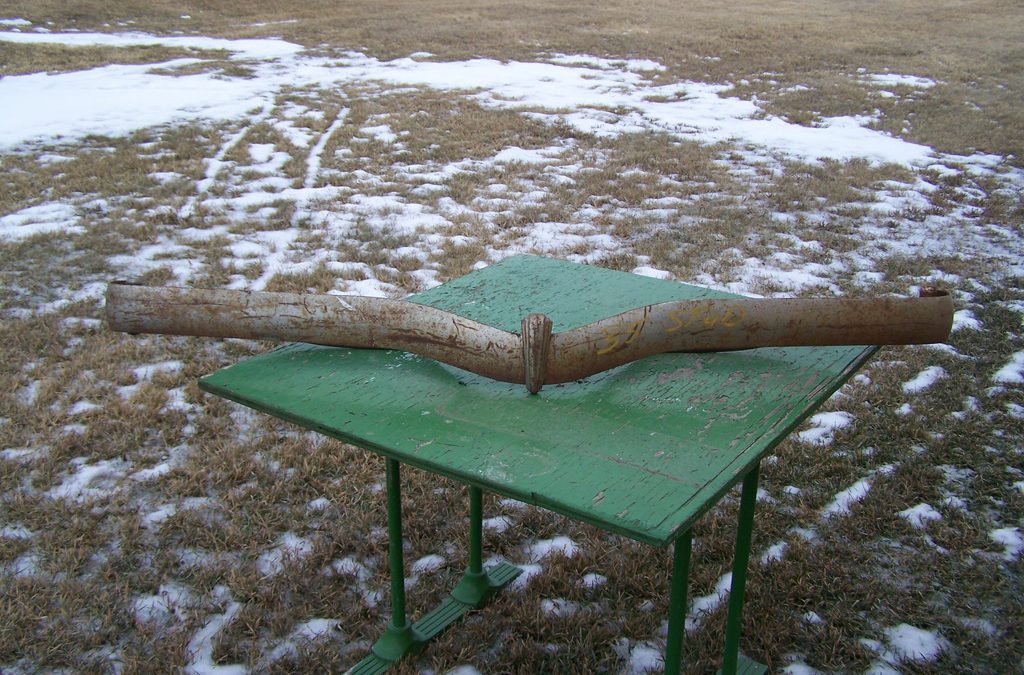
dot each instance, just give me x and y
(19, 59)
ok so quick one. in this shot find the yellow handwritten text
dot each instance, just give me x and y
(613, 339)
(703, 315)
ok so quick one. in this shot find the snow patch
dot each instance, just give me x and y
(428, 563)
(1011, 541)
(644, 658)
(303, 635)
(559, 607)
(318, 504)
(911, 644)
(148, 371)
(42, 219)
(516, 155)
(464, 669)
(91, 481)
(894, 80)
(170, 603)
(498, 523)
(924, 380)
(704, 605)
(842, 503)
(527, 571)
(201, 646)
(290, 547)
(16, 531)
(774, 553)
(547, 547)
(1012, 372)
(824, 426)
(919, 516)
(965, 320)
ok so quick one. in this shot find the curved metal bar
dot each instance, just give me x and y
(536, 357)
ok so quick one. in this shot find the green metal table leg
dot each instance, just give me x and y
(473, 591)
(400, 638)
(731, 661)
(677, 603)
(476, 530)
(476, 586)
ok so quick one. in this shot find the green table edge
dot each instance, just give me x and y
(538, 499)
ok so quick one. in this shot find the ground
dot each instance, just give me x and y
(783, 149)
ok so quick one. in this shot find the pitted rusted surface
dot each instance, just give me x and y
(538, 358)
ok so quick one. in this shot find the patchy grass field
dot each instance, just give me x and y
(781, 149)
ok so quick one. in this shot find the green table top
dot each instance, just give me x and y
(642, 450)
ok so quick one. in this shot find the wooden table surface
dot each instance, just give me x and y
(642, 450)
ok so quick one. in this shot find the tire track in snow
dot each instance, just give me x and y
(216, 163)
(313, 159)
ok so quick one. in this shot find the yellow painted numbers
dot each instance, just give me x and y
(612, 339)
(703, 315)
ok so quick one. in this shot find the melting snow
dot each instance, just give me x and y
(529, 571)
(823, 426)
(170, 602)
(147, 371)
(290, 546)
(41, 219)
(24, 566)
(894, 80)
(91, 481)
(463, 670)
(1012, 372)
(774, 553)
(644, 658)
(137, 96)
(427, 563)
(919, 516)
(1011, 540)
(559, 607)
(16, 531)
(842, 502)
(518, 155)
(965, 320)
(303, 634)
(924, 380)
(319, 504)
(200, 647)
(498, 523)
(547, 547)
(702, 606)
(21, 454)
(909, 643)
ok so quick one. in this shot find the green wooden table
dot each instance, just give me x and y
(642, 450)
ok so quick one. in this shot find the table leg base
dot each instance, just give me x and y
(474, 590)
(745, 666)
(397, 642)
(391, 647)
